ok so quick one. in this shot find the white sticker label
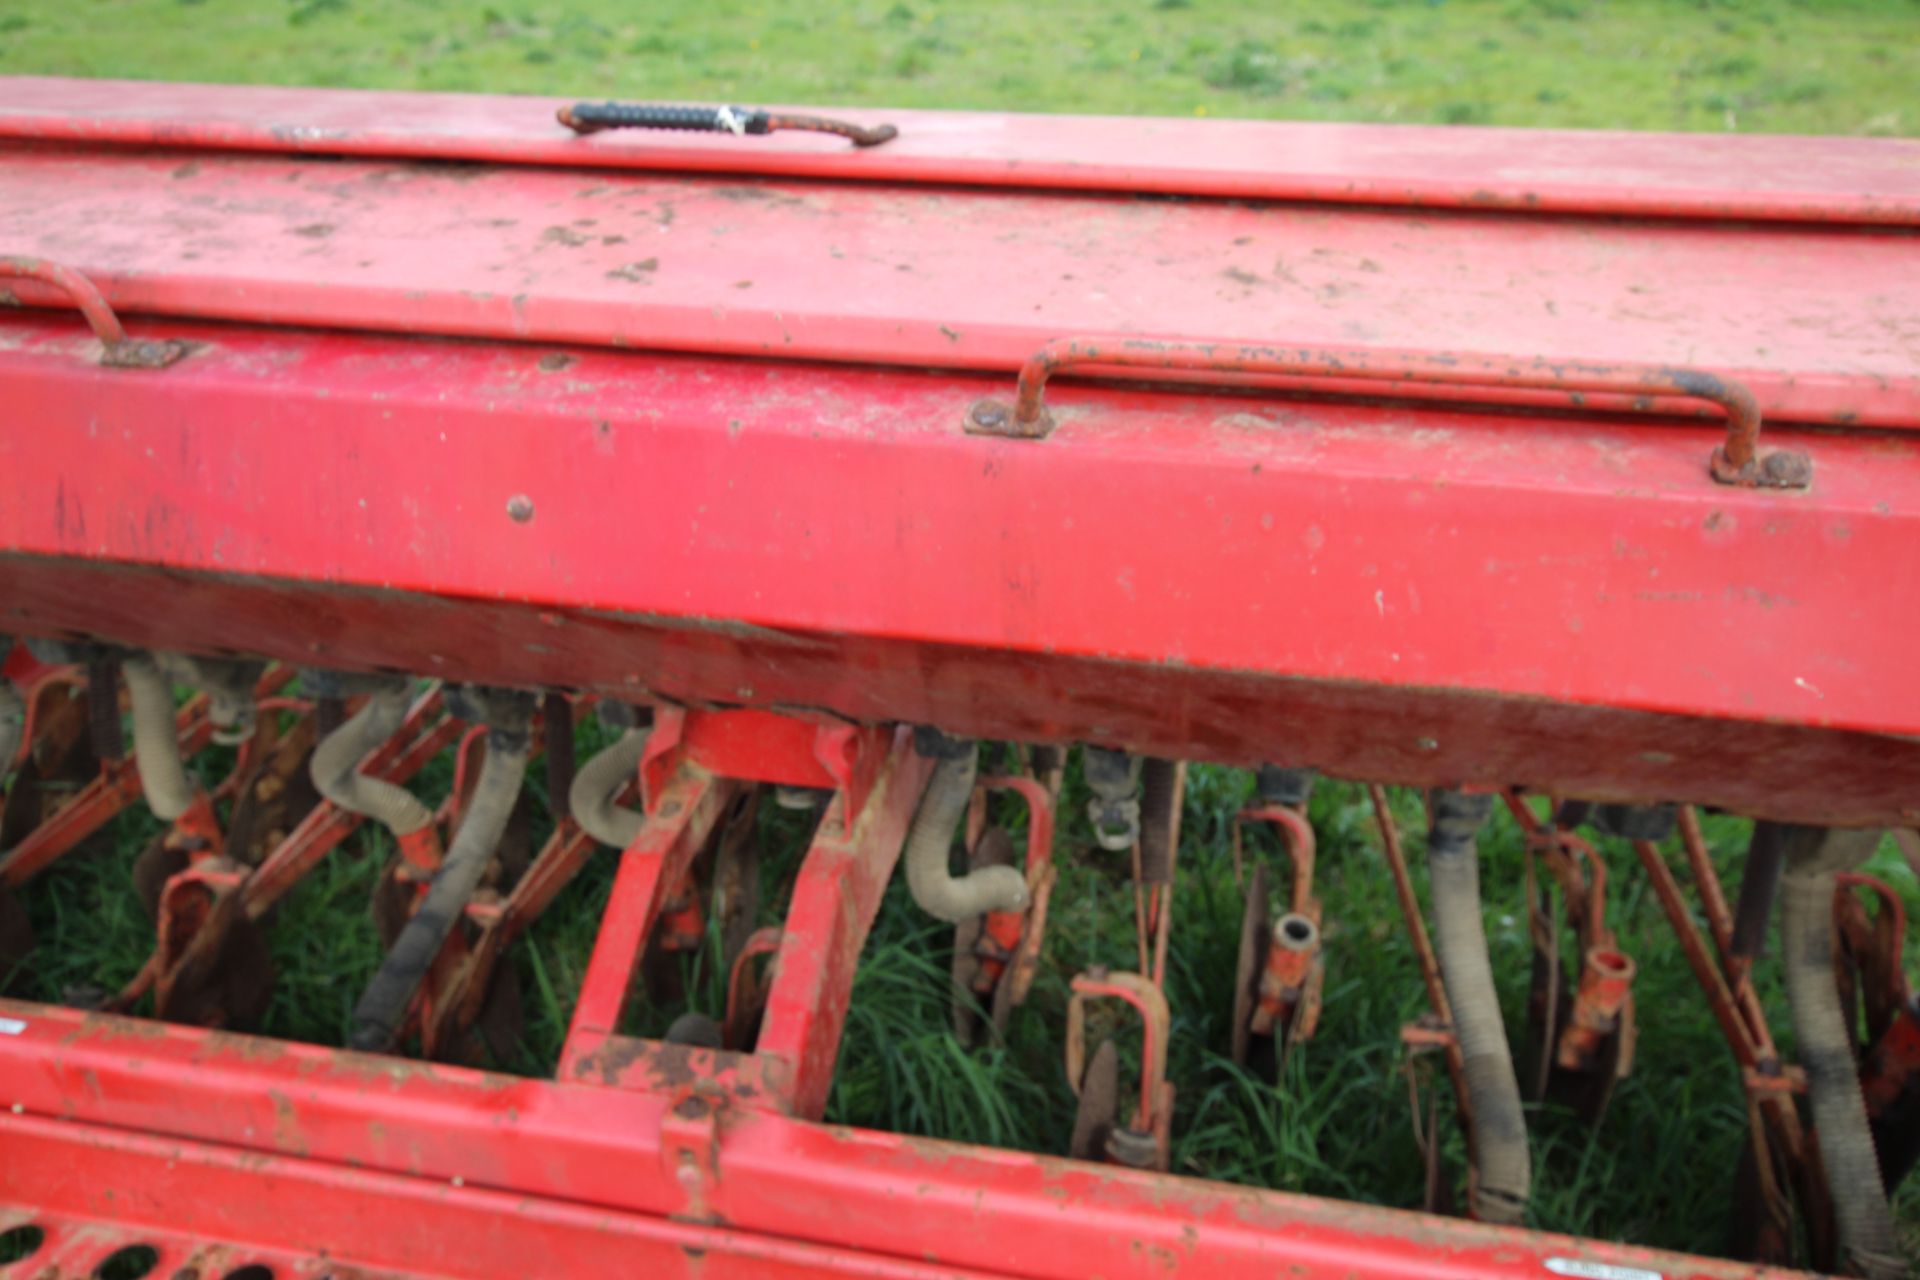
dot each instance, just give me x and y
(11, 1026)
(1585, 1270)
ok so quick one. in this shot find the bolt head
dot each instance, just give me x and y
(1785, 469)
(520, 508)
(990, 414)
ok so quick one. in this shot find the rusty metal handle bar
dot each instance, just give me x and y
(593, 117)
(121, 352)
(1739, 461)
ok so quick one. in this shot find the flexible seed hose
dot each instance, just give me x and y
(103, 708)
(597, 782)
(156, 741)
(329, 713)
(383, 1006)
(1860, 1208)
(1157, 779)
(556, 719)
(1759, 886)
(336, 765)
(13, 714)
(1048, 758)
(935, 889)
(1499, 1126)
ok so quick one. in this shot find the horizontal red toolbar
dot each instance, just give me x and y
(1388, 592)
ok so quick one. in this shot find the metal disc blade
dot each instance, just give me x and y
(273, 798)
(156, 864)
(1254, 928)
(1099, 1102)
(964, 967)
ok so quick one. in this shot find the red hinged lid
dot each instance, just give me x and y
(221, 212)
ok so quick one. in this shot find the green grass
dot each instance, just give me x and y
(1794, 66)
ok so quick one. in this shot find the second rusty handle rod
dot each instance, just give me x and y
(1737, 461)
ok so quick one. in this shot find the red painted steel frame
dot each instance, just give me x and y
(651, 869)
(834, 900)
(1573, 605)
(833, 906)
(1495, 597)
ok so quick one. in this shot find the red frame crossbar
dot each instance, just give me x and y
(208, 1136)
(1572, 604)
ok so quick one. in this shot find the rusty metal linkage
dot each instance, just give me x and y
(1584, 1028)
(997, 955)
(1280, 973)
(1779, 1166)
(119, 351)
(1144, 1142)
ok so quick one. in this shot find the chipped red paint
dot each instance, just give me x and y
(652, 869)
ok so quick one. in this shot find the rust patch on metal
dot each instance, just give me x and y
(246, 1048)
(108, 1026)
(635, 272)
(287, 1135)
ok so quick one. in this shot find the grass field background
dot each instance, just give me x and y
(1659, 1169)
(1811, 66)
